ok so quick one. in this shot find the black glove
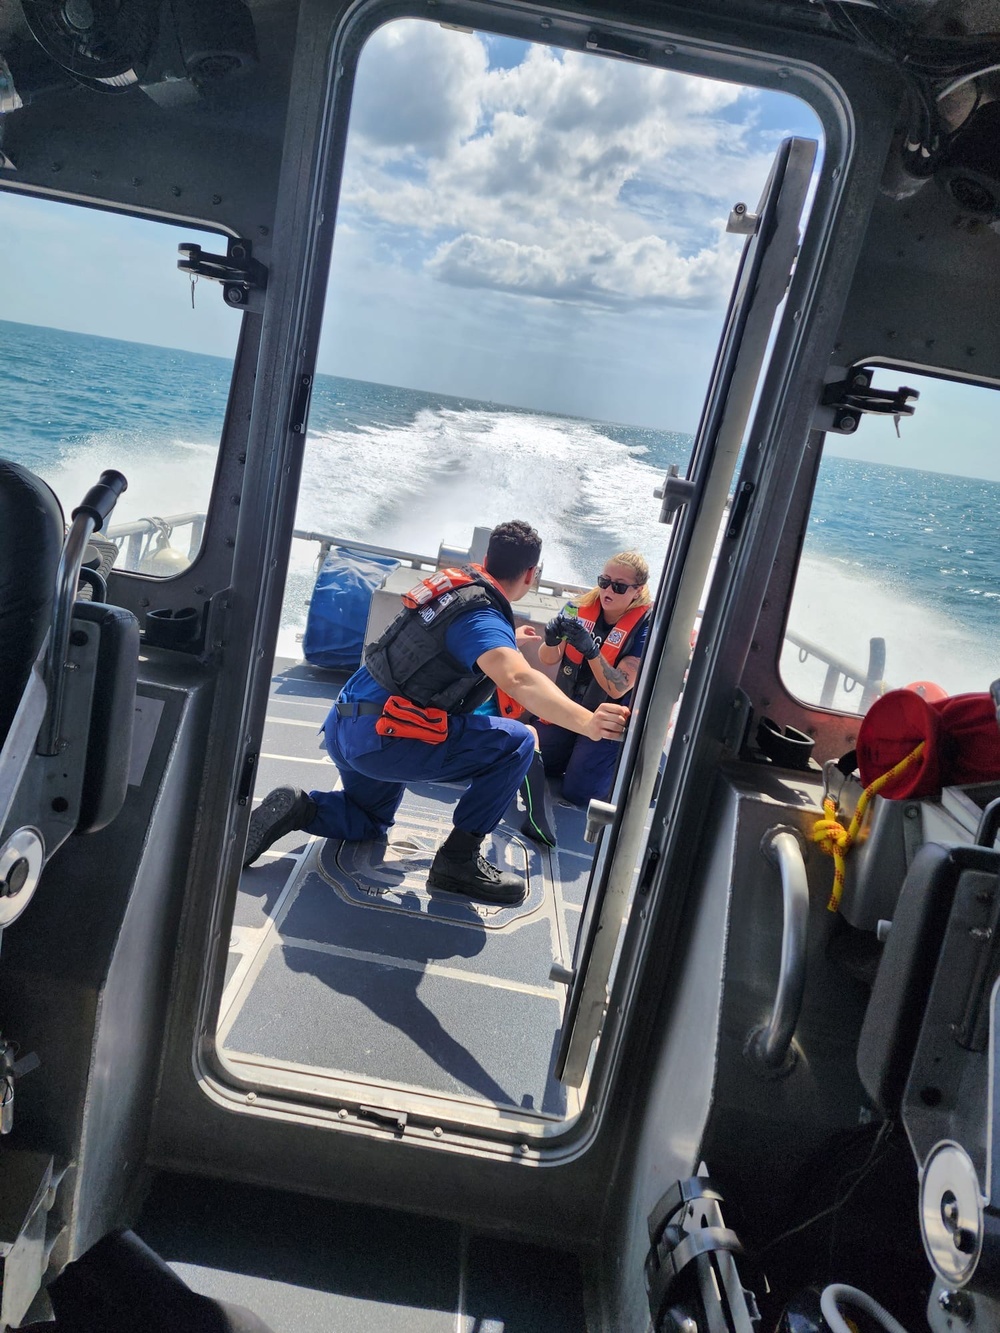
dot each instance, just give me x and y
(554, 631)
(580, 637)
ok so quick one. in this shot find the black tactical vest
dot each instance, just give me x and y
(411, 658)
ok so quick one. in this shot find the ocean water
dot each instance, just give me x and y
(909, 555)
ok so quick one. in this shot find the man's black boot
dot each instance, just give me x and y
(458, 868)
(538, 824)
(281, 811)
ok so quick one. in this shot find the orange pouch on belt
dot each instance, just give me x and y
(404, 721)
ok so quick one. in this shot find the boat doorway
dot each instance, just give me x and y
(522, 319)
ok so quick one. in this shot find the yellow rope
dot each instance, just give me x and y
(837, 841)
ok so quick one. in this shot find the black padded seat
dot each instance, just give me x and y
(31, 539)
(122, 1286)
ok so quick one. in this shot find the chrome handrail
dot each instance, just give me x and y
(770, 1046)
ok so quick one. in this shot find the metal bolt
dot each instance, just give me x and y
(438, 1132)
(911, 812)
(16, 878)
(956, 1303)
(848, 421)
(342, 1114)
(175, 190)
(251, 1096)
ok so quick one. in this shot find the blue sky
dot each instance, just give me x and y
(532, 227)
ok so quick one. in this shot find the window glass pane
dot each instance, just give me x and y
(105, 364)
(527, 288)
(903, 547)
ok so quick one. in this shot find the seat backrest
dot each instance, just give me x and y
(31, 539)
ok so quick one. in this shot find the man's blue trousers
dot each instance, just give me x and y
(492, 754)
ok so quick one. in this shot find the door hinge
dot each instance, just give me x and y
(382, 1115)
(649, 870)
(246, 778)
(610, 44)
(740, 506)
(300, 407)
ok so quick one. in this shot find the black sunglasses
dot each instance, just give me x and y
(615, 585)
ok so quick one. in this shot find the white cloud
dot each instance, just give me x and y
(645, 271)
(417, 89)
(565, 177)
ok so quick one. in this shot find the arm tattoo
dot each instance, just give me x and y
(615, 677)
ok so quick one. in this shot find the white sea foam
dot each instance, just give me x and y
(174, 480)
(841, 608)
(414, 486)
(433, 480)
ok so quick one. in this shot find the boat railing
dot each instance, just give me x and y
(555, 588)
(844, 675)
(134, 540)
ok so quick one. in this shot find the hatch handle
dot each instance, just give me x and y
(599, 815)
(675, 492)
(769, 1047)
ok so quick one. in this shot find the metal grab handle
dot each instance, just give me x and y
(770, 1046)
(88, 517)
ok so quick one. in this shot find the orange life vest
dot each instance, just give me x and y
(617, 636)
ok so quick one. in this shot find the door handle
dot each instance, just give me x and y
(770, 1047)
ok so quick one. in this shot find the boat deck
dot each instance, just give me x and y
(345, 974)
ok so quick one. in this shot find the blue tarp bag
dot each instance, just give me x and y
(338, 609)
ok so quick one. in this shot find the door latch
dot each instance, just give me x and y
(849, 398)
(237, 270)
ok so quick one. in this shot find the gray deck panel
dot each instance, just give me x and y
(508, 1031)
(321, 915)
(403, 1025)
(260, 890)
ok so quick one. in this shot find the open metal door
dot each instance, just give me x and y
(697, 503)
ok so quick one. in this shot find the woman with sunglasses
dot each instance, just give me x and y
(597, 643)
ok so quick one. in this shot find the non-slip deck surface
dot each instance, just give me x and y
(342, 961)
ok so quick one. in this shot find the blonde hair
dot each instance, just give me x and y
(637, 564)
